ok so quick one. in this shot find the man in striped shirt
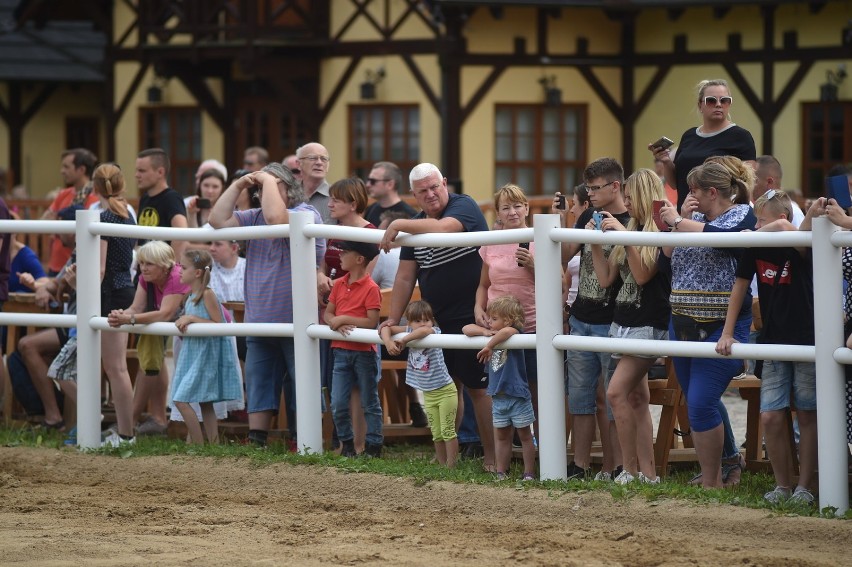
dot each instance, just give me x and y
(448, 278)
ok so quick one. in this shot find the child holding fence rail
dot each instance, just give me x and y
(206, 370)
(428, 372)
(785, 292)
(511, 401)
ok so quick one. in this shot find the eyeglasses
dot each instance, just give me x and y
(713, 100)
(315, 157)
(371, 181)
(295, 171)
(593, 188)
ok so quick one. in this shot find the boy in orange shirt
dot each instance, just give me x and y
(354, 302)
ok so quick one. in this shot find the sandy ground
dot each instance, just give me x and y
(61, 507)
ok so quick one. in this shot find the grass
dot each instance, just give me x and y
(415, 462)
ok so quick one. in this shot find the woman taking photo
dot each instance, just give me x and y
(717, 136)
(211, 184)
(702, 279)
(641, 312)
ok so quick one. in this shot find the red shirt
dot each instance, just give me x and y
(355, 299)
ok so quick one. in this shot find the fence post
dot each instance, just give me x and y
(830, 378)
(551, 375)
(88, 339)
(308, 387)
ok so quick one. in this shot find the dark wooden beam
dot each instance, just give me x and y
(541, 31)
(195, 84)
(338, 88)
(35, 105)
(767, 115)
(653, 85)
(131, 90)
(360, 10)
(629, 110)
(790, 88)
(482, 90)
(16, 130)
(601, 91)
(744, 87)
(422, 82)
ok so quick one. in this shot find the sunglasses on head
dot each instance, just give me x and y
(713, 100)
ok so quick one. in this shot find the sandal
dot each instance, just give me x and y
(731, 472)
(58, 426)
(489, 468)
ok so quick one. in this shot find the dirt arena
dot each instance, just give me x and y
(61, 508)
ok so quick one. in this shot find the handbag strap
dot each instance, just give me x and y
(150, 305)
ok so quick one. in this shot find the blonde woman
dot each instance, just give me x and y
(641, 312)
(717, 136)
(161, 289)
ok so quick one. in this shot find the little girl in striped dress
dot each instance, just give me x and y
(427, 371)
(206, 368)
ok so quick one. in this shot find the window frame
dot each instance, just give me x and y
(362, 167)
(808, 164)
(182, 171)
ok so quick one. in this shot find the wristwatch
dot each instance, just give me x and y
(676, 222)
(133, 319)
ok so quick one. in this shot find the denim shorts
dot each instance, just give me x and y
(270, 364)
(643, 333)
(509, 410)
(585, 369)
(781, 378)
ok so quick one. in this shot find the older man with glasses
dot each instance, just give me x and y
(313, 163)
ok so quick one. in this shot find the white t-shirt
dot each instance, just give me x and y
(229, 284)
(384, 272)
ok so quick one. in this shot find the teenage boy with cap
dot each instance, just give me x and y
(354, 302)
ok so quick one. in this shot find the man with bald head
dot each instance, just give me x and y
(291, 162)
(313, 163)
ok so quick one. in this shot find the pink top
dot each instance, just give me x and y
(172, 287)
(507, 278)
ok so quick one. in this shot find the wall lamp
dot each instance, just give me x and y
(552, 95)
(833, 79)
(368, 87)
(155, 91)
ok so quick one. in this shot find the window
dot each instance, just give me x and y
(827, 128)
(178, 131)
(83, 132)
(264, 122)
(540, 148)
(384, 133)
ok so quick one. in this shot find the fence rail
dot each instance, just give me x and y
(548, 341)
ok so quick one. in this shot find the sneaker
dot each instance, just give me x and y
(71, 438)
(777, 495)
(151, 427)
(115, 441)
(624, 478)
(604, 476)
(646, 480)
(372, 450)
(801, 496)
(528, 477)
(418, 415)
(348, 450)
(501, 476)
(578, 473)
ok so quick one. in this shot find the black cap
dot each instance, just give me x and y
(366, 249)
(69, 213)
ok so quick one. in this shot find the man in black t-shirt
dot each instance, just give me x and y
(383, 185)
(591, 315)
(159, 205)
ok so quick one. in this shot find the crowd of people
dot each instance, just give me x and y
(713, 182)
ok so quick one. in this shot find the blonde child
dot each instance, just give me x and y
(507, 383)
(206, 370)
(785, 292)
(427, 371)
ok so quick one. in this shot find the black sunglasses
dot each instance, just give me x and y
(295, 171)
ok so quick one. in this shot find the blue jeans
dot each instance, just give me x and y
(271, 365)
(353, 367)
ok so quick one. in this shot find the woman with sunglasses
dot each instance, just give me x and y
(717, 136)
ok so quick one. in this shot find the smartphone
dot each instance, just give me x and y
(202, 203)
(658, 205)
(838, 189)
(663, 143)
(598, 217)
(561, 204)
(525, 246)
